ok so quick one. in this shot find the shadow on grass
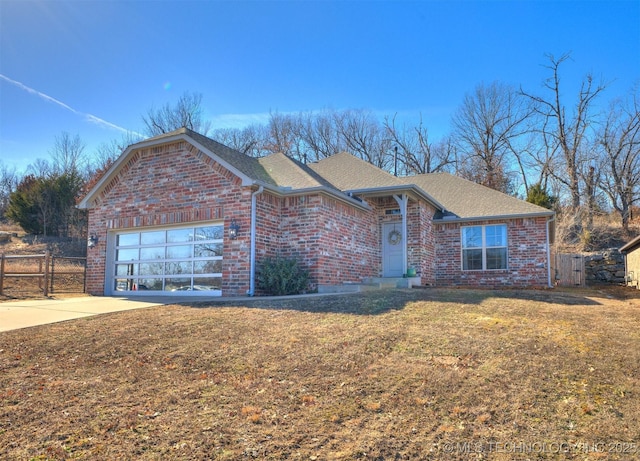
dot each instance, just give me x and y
(387, 300)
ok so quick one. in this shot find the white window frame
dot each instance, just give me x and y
(484, 247)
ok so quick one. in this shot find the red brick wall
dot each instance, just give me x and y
(527, 251)
(348, 248)
(166, 185)
(269, 230)
(422, 241)
(336, 242)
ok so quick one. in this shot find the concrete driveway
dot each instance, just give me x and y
(29, 313)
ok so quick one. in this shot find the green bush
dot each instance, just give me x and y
(280, 276)
(538, 195)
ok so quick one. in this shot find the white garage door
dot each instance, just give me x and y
(177, 260)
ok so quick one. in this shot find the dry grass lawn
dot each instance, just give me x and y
(397, 374)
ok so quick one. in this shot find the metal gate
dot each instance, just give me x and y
(20, 274)
(569, 270)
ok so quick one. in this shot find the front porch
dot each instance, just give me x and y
(406, 238)
(371, 283)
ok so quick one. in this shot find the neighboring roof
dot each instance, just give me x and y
(632, 245)
(465, 199)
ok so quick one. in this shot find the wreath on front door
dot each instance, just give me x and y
(394, 237)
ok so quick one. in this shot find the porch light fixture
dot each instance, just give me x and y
(234, 228)
(92, 241)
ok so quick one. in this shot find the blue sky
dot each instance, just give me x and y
(92, 68)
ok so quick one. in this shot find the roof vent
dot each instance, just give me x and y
(445, 215)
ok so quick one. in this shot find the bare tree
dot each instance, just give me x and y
(319, 133)
(249, 140)
(619, 141)
(67, 155)
(566, 134)
(8, 183)
(364, 137)
(108, 152)
(536, 158)
(104, 156)
(591, 180)
(486, 127)
(187, 113)
(40, 168)
(416, 152)
(283, 136)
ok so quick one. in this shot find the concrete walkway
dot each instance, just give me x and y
(29, 313)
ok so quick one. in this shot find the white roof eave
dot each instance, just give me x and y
(494, 217)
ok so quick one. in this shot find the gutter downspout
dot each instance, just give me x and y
(549, 221)
(252, 270)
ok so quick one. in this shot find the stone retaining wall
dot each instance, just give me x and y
(604, 267)
(5, 237)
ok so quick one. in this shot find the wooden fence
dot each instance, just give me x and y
(42, 272)
(569, 270)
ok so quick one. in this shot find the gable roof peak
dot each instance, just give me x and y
(168, 134)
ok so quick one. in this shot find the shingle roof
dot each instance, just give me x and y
(275, 169)
(348, 172)
(345, 173)
(249, 166)
(287, 172)
(466, 199)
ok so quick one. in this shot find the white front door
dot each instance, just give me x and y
(392, 250)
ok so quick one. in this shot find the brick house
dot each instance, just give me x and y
(182, 214)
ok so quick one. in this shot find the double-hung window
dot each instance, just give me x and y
(484, 247)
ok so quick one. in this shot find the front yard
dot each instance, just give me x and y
(397, 374)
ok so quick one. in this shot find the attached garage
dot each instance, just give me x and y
(167, 260)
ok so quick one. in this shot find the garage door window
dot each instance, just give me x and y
(184, 259)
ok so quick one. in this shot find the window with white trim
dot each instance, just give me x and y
(484, 247)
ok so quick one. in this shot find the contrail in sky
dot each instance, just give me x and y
(89, 117)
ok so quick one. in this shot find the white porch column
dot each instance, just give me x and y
(403, 200)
